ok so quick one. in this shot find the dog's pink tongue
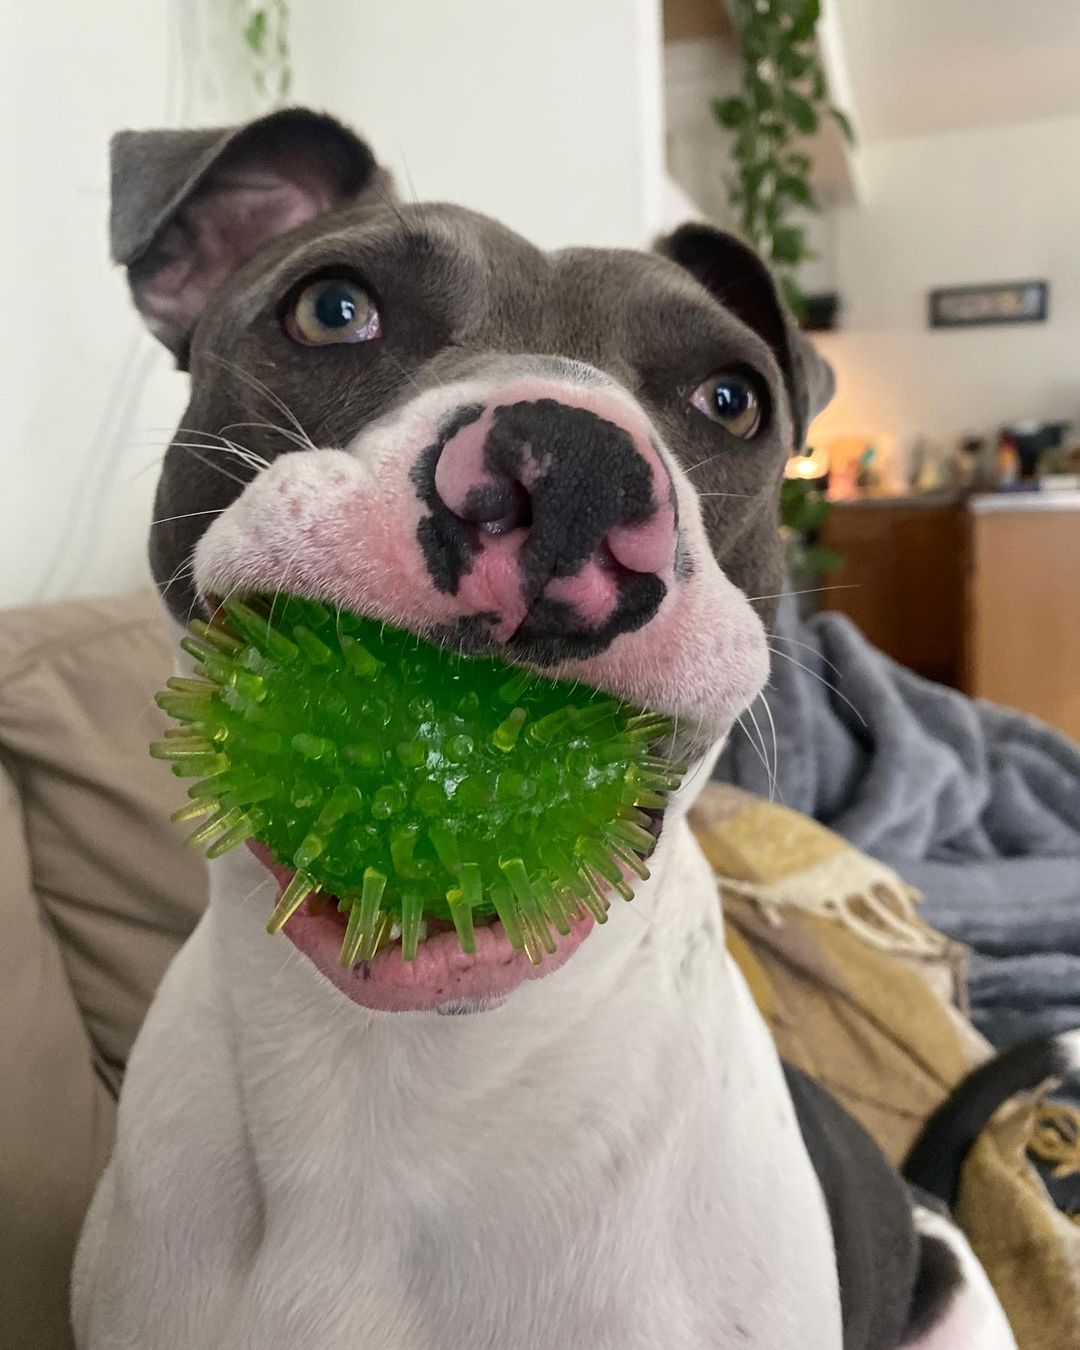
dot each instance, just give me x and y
(440, 975)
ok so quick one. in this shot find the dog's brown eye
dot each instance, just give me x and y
(332, 310)
(730, 399)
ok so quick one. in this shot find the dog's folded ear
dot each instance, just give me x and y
(188, 207)
(740, 280)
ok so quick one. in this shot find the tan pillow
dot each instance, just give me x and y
(96, 896)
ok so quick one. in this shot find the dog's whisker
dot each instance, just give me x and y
(821, 680)
(757, 749)
(226, 443)
(770, 772)
(745, 496)
(230, 451)
(253, 382)
(809, 646)
(188, 565)
(187, 515)
(213, 440)
(810, 590)
(193, 451)
(707, 460)
(250, 458)
(775, 745)
(301, 442)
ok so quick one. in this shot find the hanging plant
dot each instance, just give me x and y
(266, 34)
(781, 101)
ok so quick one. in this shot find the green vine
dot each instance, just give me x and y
(781, 100)
(266, 34)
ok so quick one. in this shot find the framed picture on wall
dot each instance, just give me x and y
(992, 303)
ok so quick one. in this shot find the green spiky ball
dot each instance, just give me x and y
(408, 781)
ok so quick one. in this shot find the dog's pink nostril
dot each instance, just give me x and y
(461, 476)
(645, 548)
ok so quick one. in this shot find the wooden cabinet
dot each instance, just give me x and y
(902, 580)
(983, 595)
(1024, 603)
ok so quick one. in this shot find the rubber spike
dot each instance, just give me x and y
(535, 931)
(412, 913)
(357, 657)
(505, 735)
(193, 810)
(380, 937)
(593, 899)
(181, 684)
(363, 944)
(354, 937)
(445, 844)
(553, 858)
(292, 897)
(598, 858)
(630, 833)
(515, 687)
(544, 731)
(225, 819)
(181, 748)
(201, 651)
(186, 707)
(464, 899)
(261, 633)
(244, 828)
(550, 905)
(505, 908)
(628, 858)
(213, 636)
(316, 651)
(367, 918)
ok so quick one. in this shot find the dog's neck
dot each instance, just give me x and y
(566, 1158)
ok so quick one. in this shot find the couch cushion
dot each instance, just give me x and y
(96, 895)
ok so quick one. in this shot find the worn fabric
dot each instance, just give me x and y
(975, 805)
(873, 1015)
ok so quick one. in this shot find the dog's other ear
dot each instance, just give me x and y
(740, 280)
(188, 207)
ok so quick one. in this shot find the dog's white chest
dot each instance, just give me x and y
(584, 1168)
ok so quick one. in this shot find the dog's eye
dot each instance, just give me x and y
(730, 399)
(332, 310)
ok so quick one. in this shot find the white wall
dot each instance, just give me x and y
(996, 204)
(548, 116)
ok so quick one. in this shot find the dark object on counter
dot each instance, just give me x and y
(821, 312)
(1030, 440)
(992, 303)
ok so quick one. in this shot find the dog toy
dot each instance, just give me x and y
(409, 782)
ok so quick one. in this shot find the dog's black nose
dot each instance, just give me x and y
(554, 521)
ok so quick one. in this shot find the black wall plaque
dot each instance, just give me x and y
(994, 303)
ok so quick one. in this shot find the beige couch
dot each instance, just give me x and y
(95, 897)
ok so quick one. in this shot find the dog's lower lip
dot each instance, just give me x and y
(441, 973)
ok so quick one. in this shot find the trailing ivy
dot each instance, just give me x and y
(266, 34)
(781, 101)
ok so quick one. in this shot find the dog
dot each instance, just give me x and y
(571, 460)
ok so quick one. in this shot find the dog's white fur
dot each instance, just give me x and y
(608, 1161)
(595, 1165)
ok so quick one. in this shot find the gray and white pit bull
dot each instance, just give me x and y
(571, 460)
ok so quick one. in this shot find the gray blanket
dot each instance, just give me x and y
(976, 806)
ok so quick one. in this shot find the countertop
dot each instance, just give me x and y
(1057, 499)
